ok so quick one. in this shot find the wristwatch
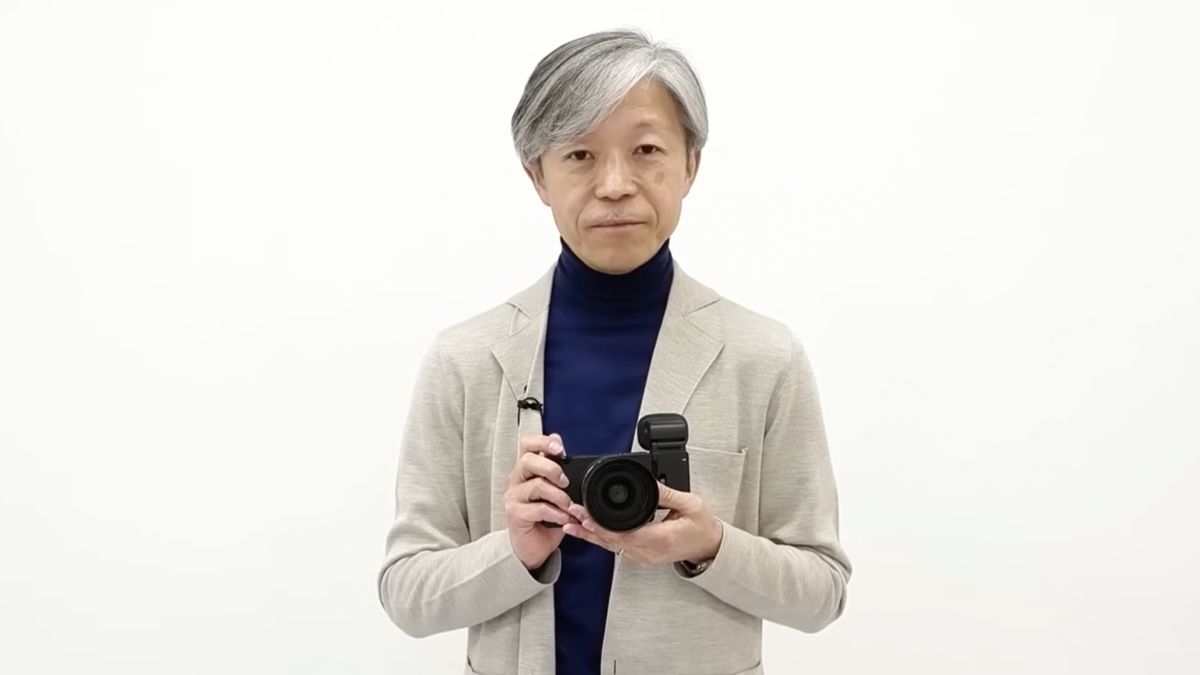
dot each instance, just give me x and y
(696, 569)
(691, 569)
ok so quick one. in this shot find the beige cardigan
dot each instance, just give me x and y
(758, 457)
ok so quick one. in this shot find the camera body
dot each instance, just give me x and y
(620, 491)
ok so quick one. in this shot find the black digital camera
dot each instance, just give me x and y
(620, 491)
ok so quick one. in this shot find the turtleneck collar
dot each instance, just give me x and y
(647, 285)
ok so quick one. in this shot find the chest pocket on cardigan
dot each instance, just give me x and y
(716, 477)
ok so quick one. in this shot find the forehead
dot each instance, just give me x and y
(648, 106)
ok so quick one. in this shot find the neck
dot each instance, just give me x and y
(648, 284)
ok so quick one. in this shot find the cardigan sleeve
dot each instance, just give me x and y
(793, 571)
(434, 578)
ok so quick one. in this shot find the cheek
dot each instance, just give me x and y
(663, 187)
(571, 209)
(568, 199)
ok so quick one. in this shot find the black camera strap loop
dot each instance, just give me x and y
(529, 403)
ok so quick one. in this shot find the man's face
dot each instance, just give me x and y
(634, 168)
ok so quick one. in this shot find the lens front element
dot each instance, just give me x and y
(620, 493)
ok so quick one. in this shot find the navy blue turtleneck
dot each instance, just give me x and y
(600, 336)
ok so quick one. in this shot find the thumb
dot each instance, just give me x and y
(677, 500)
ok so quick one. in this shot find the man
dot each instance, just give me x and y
(609, 130)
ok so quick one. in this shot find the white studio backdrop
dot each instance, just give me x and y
(228, 230)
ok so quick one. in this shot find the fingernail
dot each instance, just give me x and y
(563, 480)
(556, 447)
(589, 525)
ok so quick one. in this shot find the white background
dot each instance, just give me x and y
(229, 229)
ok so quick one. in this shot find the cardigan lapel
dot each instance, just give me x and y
(683, 352)
(518, 353)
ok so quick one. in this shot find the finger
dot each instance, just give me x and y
(532, 513)
(652, 537)
(574, 530)
(551, 445)
(540, 489)
(532, 465)
(578, 510)
(527, 445)
(581, 514)
(592, 526)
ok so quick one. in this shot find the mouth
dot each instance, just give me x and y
(617, 225)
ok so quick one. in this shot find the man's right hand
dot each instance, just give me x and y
(535, 495)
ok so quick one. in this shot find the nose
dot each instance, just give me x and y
(615, 180)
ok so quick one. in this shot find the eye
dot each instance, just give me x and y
(649, 149)
(577, 155)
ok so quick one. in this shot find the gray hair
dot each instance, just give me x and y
(576, 86)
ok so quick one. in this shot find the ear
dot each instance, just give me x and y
(534, 171)
(692, 169)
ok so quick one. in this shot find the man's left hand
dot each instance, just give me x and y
(689, 532)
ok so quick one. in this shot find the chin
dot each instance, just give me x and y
(617, 255)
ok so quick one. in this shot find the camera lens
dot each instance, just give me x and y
(617, 493)
(620, 492)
